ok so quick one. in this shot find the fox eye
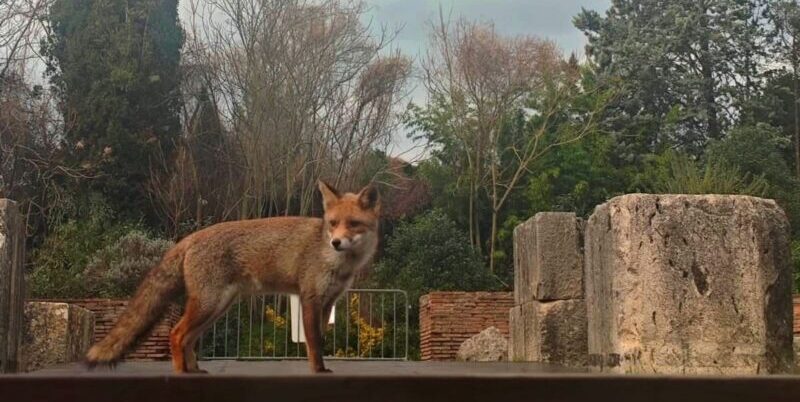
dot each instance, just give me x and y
(355, 224)
(333, 222)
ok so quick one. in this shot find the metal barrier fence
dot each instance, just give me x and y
(369, 324)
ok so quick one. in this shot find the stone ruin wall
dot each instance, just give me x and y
(660, 284)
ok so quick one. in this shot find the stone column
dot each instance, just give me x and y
(12, 262)
(548, 322)
(698, 284)
(55, 333)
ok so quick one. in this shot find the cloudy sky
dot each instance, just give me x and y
(545, 18)
(550, 19)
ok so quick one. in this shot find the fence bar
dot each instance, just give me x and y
(394, 319)
(226, 332)
(275, 327)
(347, 323)
(262, 313)
(371, 328)
(238, 326)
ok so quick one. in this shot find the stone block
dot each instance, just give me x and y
(548, 260)
(689, 284)
(550, 332)
(55, 333)
(12, 284)
(488, 345)
(516, 339)
(797, 354)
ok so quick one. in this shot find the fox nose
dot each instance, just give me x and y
(336, 243)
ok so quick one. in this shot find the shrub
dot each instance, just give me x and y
(58, 263)
(117, 269)
(430, 253)
(90, 253)
(426, 254)
(675, 173)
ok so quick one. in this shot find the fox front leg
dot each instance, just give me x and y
(312, 322)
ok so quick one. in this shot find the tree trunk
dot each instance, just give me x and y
(492, 240)
(478, 241)
(472, 238)
(796, 99)
(796, 125)
(709, 92)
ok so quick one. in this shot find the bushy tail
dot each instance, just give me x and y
(146, 306)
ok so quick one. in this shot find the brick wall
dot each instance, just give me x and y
(447, 319)
(797, 316)
(152, 346)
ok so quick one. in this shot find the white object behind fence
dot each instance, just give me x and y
(296, 311)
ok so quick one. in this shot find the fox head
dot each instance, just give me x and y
(351, 220)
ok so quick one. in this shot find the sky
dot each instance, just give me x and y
(550, 19)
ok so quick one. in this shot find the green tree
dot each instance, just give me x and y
(775, 107)
(116, 66)
(560, 111)
(784, 17)
(759, 151)
(571, 178)
(687, 66)
(426, 254)
(446, 262)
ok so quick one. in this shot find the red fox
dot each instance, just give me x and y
(314, 258)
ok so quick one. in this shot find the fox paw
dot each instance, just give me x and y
(91, 365)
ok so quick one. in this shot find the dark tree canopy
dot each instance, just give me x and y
(116, 65)
(684, 64)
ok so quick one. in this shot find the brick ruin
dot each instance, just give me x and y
(447, 319)
(152, 346)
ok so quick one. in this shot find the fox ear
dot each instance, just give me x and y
(368, 197)
(329, 193)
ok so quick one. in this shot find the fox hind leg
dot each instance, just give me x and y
(194, 332)
(199, 315)
(176, 337)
